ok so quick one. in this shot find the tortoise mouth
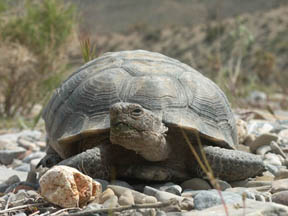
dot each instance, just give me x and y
(119, 127)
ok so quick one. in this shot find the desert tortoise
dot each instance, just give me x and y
(124, 114)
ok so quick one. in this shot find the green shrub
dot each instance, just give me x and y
(43, 30)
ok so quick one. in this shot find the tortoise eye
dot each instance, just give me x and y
(137, 112)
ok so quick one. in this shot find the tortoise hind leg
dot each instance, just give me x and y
(232, 165)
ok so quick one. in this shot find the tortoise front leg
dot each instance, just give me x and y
(92, 162)
(51, 158)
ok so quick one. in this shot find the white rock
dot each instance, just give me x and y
(111, 202)
(251, 207)
(139, 198)
(67, 187)
(126, 198)
(272, 159)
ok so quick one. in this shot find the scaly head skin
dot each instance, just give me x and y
(138, 129)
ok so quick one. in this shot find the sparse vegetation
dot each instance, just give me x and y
(34, 45)
(88, 51)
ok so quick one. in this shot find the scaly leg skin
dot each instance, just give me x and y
(92, 162)
(152, 173)
(232, 165)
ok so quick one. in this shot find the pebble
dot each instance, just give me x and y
(249, 139)
(23, 167)
(106, 195)
(279, 185)
(149, 199)
(67, 187)
(259, 127)
(27, 144)
(272, 169)
(252, 193)
(111, 202)
(277, 150)
(251, 207)
(242, 130)
(170, 187)
(281, 174)
(126, 198)
(93, 206)
(283, 133)
(13, 137)
(161, 196)
(10, 181)
(223, 184)
(7, 156)
(196, 184)
(280, 197)
(262, 150)
(6, 173)
(20, 214)
(206, 199)
(34, 155)
(273, 159)
(262, 140)
(139, 198)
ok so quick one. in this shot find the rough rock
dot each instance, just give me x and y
(34, 155)
(280, 197)
(263, 139)
(262, 150)
(251, 208)
(8, 155)
(6, 173)
(139, 198)
(126, 198)
(206, 199)
(106, 195)
(186, 203)
(283, 133)
(169, 187)
(279, 185)
(223, 184)
(242, 130)
(272, 159)
(67, 187)
(24, 167)
(276, 149)
(111, 202)
(161, 196)
(257, 127)
(252, 193)
(196, 184)
(281, 174)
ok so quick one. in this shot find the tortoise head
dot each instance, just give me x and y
(138, 129)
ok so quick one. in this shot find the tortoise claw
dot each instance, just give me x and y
(49, 160)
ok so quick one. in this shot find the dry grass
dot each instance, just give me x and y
(205, 166)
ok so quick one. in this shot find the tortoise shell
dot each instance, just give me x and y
(177, 93)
